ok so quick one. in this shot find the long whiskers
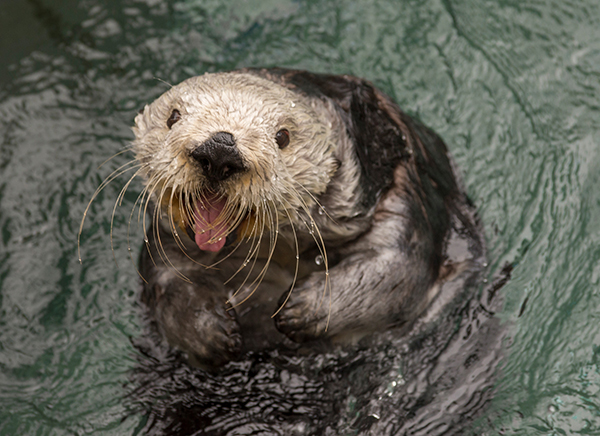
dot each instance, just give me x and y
(273, 241)
(177, 205)
(312, 230)
(125, 150)
(139, 200)
(116, 173)
(297, 265)
(252, 253)
(118, 202)
(156, 234)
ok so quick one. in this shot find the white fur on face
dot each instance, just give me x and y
(253, 110)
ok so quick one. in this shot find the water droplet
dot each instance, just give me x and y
(202, 231)
(485, 280)
(374, 415)
(128, 248)
(245, 263)
(485, 264)
(321, 211)
(297, 257)
(404, 137)
(293, 104)
(319, 260)
(146, 239)
(552, 408)
(220, 239)
(327, 273)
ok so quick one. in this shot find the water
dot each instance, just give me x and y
(511, 86)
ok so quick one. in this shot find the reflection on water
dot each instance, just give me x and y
(512, 87)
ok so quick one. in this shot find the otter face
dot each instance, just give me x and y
(233, 152)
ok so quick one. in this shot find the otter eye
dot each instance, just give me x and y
(175, 116)
(282, 138)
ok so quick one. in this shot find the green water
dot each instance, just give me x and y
(513, 87)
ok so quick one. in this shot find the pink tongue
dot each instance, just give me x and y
(210, 236)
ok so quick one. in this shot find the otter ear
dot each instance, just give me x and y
(140, 126)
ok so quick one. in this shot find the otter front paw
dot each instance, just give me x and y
(304, 316)
(209, 333)
(216, 338)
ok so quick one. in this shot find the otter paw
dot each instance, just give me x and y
(209, 334)
(304, 316)
(217, 337)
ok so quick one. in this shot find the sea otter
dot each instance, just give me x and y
(307, 198)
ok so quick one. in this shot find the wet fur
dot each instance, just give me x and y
(363, 187)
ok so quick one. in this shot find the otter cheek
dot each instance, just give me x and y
(210, 231)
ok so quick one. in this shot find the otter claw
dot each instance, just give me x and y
(300, 319)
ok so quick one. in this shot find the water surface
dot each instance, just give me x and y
(512, 87)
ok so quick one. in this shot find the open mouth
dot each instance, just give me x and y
(210, 225)
(209, 221)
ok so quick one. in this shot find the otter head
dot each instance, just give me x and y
(233, 152)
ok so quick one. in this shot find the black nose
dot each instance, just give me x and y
(219, 157)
